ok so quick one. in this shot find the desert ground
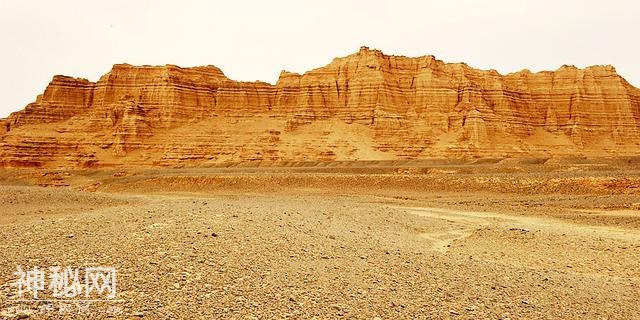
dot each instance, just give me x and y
(538, 239)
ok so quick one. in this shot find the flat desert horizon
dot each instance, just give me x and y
(535, 239)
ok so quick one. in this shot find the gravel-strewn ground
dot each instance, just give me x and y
(322, 249)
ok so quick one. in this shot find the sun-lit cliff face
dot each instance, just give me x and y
(366, 106)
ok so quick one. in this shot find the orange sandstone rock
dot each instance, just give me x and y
(366, 106)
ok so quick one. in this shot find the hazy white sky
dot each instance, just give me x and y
(254, 40)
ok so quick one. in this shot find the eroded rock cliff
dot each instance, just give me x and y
(366, 106)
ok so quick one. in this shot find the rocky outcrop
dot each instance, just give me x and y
(365, 106)
(64, 98)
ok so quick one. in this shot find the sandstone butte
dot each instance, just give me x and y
(365, 106)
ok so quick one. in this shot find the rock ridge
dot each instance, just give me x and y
(364, 106)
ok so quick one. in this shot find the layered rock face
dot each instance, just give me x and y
(366, 106)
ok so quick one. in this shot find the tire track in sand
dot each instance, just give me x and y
(464, 223)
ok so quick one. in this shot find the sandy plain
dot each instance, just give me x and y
(553, 239)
